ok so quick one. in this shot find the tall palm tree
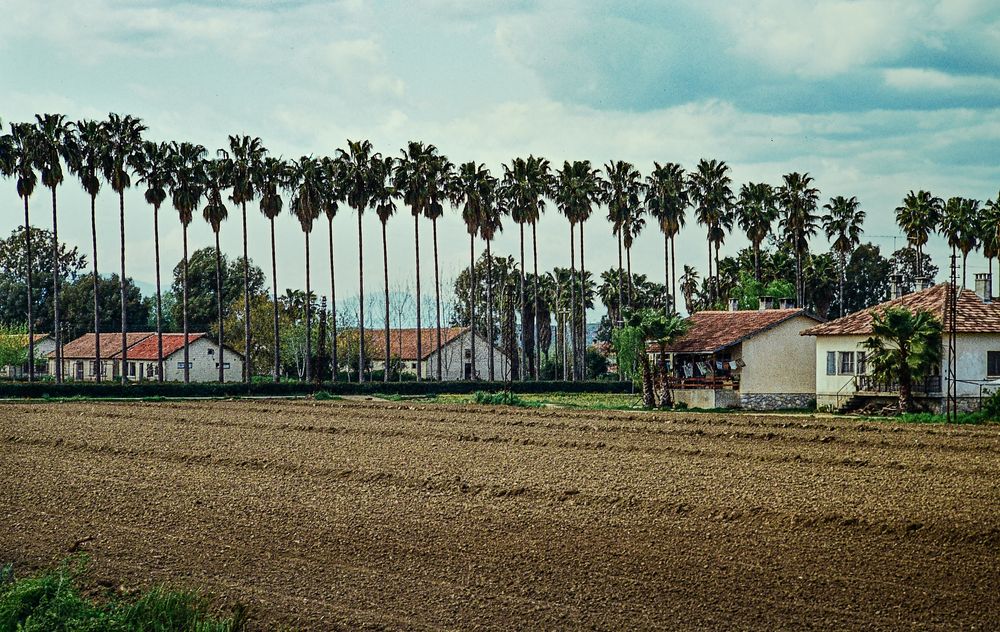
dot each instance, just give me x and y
(756, 212)
(90, 140)
(710, 192)
(246, 155)
(439, 178)
(21, 159)
(187, 164)
(798, 199)
(384, 201)
(960, 224)
(842, 224)
(124, 135)
(622, 195)
(918, 217)
(217, 177)
(356, 174)
(153, 170)
(306, 184)
(990, 233)
(667, 201)
(332, 196)
(271, 178)
(489, 225)
(54, 143)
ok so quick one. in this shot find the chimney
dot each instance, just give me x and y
(922, 283)
(734, 305)
(787, 303)
(984, 286)
(896, 286)
(766, 302)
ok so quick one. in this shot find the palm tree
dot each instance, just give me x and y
(187, 164)
(153, 169)
(246, 155)
(54, 143)
(918, 217)
(666, 201)
(689, 289)
(990, 233)
(90, 141)
(843, 225)
(217, 177)
(710, 192)
(489, 225)
(622, 190)
(904, 345)
(756, 212)
(271, 178)
(960, 224)
(357, 178)
(21, 149)
(440, 175)
(124, 135)
(306, 184)
(384, 201)
(332, 196)
(798, 199)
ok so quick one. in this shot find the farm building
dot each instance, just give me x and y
(842, 377)
(455, 352)
(752, 359)
(80, 358)
(44, 344)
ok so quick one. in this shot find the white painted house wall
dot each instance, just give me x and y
(203, 355)
(453, 360)
(780, 360)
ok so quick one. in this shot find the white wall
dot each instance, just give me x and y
(453, 360)
(780, 360)
(203, 364)
(833, 390)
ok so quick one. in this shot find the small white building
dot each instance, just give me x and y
(44, 344)
(843, 380)
(455, 353)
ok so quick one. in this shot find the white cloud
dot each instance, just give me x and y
(924, 79)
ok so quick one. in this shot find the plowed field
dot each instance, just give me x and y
(346, 515)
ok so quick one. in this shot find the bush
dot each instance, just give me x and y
(503, 398)
(990, 410)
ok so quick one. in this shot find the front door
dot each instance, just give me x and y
(79, 369)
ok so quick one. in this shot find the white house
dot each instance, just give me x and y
(842, 377)
(455, 353)
(44, 344)
(753, 359)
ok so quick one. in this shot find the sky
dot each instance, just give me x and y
(871, 98)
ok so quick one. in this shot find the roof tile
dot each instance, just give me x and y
(715, 330)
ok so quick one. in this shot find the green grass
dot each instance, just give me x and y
(326, 395)
(934, 418)
(53, 601)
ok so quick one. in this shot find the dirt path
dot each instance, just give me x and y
(347, 514)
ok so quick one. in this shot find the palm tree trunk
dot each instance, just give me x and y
(97, 302)
(673, 273)
(756, 261)
(159, 305)
(648, 396)
(711, 285)
(621, 281)
(121, 226)
(57, 329)
(218, 302)
(247, 356)
(361, 303)
(628, 262)
(335, 365)
(489, 307)
(308, 306)
(572, 302)
(31, 318)
(184, 309)
(718, 276)
(666, 274)
(437, 295)
(583, 311)
(524, 333)
(905, 384)
(472, 302)
(385, 270)
(274, 307)
(420, 348)
(840, 291)
(536, 346)
(965, 257)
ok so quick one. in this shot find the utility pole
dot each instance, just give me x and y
(951, 322)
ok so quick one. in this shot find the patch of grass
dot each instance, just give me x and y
(326, 396)
(52, 601)
(503, 398)
(934, 418)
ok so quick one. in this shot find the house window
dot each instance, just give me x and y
(862, 363)
(468, 354)
(993, 363)
(131, 369)
(94, 368)
(149, 370)
(211, 352)
(831, 362)
(181, 365)
(847, 363)
(225, 365)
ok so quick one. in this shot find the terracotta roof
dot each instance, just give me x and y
(974, 316)
(375, 341)
(713, 331)
(145, 349)
(83, 347)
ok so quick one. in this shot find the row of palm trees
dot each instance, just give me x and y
(114, 152)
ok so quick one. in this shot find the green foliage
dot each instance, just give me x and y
(904, 344)
(13, 345)
(990, 410)
(502, 398)
(202, 308)
(326, 396)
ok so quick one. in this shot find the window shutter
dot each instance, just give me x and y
(831, 362)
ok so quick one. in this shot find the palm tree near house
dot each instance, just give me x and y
(622, 195)
(306, 185)
(20, 161)
(124, 136)
(246, 155)
(384, 201)
(667, 201)
(271, 178)
(440, 175)
(918, 217)
(187, 186)
(711, 195)
(960, 225)
(86, 165)
(756, 212)
(842, 224)
(217, 177)
(689, 289)
(990, 233)
(798, 199)
(55, 143)
(356, 164)
(491, 223)
(332, 197)
(903, 347)
(153, 170)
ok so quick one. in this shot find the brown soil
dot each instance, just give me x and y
(346, 515)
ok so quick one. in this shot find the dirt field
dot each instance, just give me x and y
(342, 515)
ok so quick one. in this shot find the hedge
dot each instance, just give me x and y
(289, 389)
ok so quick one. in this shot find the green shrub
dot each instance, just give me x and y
(503, 398)
(326, 395)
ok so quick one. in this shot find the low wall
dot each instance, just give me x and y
(707, 397)
(776, 401)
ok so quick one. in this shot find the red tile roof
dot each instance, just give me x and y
(84, 346)
(974, 316)
(375, 341)
(145, 349)
(713, 331)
